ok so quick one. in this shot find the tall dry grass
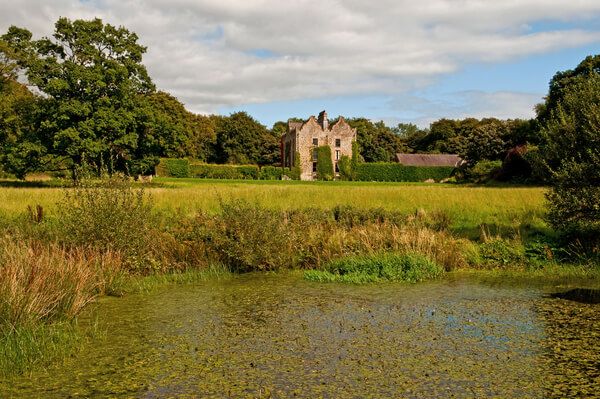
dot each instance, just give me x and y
(249, 237)
(41, 282)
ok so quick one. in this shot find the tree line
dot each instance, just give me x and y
(82, 101)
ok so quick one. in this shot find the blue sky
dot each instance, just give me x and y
(391, 60)
(528, 76)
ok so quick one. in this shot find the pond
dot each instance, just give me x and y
(278, 336)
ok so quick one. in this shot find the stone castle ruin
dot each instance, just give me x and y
(303, 138)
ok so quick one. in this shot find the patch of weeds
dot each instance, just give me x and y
(410, 268)
(502, 253)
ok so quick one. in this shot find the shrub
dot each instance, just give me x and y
(484, 170)
(213, 171)
(170, 167)
(271, 173)
(389, 171)
(345, 167)
(324, 163)
(247, 238)
(116, 218)
(498, 252)
(574, 203)
(384, 266)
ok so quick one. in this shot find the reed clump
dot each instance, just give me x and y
(44, 282)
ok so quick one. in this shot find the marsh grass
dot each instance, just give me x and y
(42, 282)
(407, 267)
(38, 345)
(248, 237)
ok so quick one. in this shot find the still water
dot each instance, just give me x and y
(261, 336)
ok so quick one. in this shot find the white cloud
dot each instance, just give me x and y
(211, 53)
(466, 104)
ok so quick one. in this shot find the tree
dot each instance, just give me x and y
(172, 131)
(242, 140)
(483, 140)
(90, 75)
(571, 149)
(377, 142)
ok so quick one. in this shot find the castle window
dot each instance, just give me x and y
(337, 168)
(315, 141)
(314, 167)
(315, 155)
(338, 142)
(337, 155)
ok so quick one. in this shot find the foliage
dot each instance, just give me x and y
(211, 171)
(498, 252)
(517, 164)
(345, 166)
(324, 163)
(169, 167)
(172, 131)
(91, 74)
(571, 129)
(20, 151)
(242, 140)
(483, 171)
(382, 171)
(410, 268)
(272, 173)
(295, 172)
(488, 140)
(111, 218)
(376, 142)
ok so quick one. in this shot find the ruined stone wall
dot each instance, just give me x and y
(300, 140)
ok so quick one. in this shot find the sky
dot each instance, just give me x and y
(393, 60)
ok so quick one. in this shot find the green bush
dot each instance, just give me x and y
(171, 167)
(213, 171)
(385, 266)
(502, 253)
(295, 172)
(389, 171)
(324, 163)
(345, 167)
(271, 173)
(484, 170)
(112, 218)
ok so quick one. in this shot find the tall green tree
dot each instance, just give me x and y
(376, 141)
(570, 121)
(91, 75)
(172, 131)
(242, 140)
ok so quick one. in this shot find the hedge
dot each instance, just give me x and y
(171, 167)
(388, 171)
(274, 173)
(211, 171)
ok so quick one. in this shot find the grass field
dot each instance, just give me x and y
(500, 208)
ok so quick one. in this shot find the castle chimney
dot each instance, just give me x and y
(323, 120)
